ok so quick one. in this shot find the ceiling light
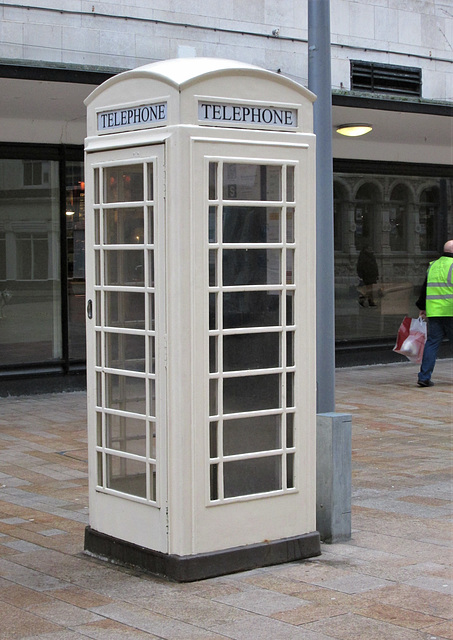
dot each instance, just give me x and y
(354, 129)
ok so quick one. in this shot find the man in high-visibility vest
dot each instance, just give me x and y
(436, 306)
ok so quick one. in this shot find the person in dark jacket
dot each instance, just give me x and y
(368, 272)
(436, 306)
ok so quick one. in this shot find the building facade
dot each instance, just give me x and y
(393, 188)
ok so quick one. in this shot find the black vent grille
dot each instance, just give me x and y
(386, 78)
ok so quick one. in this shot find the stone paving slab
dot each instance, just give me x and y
(393, 579)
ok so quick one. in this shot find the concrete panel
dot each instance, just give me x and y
(410, 29)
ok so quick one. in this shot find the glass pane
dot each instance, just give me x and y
(251, 182)
(290, 430)
(290, 471)
(123, 226)
(100, 467)
(151, 225)
(150, 181)
(123, 309)
(151, 281)
(98, 308)
(97, 227)
(152, 312)
(99, 429)
(251, 224)
(213, 180)
(126, 434)
(123, 184)
(214, 481)
(152, 427)
(290, 349)
(97, 268)
(213, 267)
(246, 477)
(289, 308)
(251, 266)
(212, 224)
(96, 187)
(125, 393)
(30, 282)
(152, 355)
(290, 224)
(251, 393)
(123, 351)
(124, 268)
(75, 238)
(213, 359)
(152, 398)
(213, 449)
(245, 435)
(152, 479)
(290, 389)
(127, 476)
(251, 309)
(251, 351)
(98, 349)
(290, 266)
(212, 311)
(290, 184)
(213, 397)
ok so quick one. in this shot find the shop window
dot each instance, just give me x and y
(32, 256)
(75, 239)
(340, 208)
(398, 217)
(428, 218)
(31, 308)
(2, 258)
(403, 242)
(366, 208)
(36, 173)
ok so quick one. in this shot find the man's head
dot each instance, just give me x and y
(448, 247)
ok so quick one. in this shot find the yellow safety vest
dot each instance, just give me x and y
(439, 289)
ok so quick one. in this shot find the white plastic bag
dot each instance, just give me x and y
(411, 338)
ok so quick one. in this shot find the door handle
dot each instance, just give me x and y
(90, 309)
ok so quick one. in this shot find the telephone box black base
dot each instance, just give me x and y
(203, 565)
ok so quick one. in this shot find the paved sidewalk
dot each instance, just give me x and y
(391, 581)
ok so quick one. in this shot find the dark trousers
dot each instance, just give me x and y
(438, 329)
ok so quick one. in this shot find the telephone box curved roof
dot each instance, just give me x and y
(182, 72)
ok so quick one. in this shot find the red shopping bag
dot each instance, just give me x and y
(411, 338)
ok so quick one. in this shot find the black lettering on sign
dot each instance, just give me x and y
(132, 117)
(247, 114)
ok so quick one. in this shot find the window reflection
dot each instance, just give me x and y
(428, 215)
(30, 281)
(75, 234)
(367, 202)
(252, 182)
(398, 217)
(403, 220)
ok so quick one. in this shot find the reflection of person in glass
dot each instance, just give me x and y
(436, 306)
(368, 272)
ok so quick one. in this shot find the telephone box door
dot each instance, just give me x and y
(259, 453)
(126, 352)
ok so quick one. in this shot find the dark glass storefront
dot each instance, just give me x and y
(400, 216)
(402, 213)
(42, 272)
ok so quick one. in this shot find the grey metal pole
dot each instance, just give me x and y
(319, 81)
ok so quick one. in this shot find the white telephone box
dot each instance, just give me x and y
(200, 246)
